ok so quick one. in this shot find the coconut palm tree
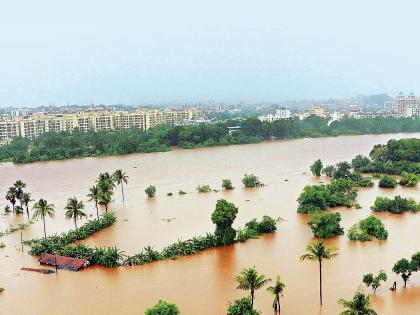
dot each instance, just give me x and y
(94, 196)
(359, 305)
(249, 279)
(317, 251)
(19, 185)
(43, 209)
(120, 178)
(277, 290)
(106, 186)
(26, 199)
(74, 210)
(11, 197)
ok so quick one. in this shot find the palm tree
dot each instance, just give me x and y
(94, 196)
(277, 290)
(43, 209)
(359, 305)
(106, 186)
(120, 178)
(26, 199)
(11, 197)
(19, 185)
(249, 279)
(318, 251)
(74, 210)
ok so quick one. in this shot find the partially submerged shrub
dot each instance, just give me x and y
(150, 191)
(227, 184)
(203, 188)
(251, 181)
(387, 182)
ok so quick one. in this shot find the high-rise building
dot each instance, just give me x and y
(34, 125)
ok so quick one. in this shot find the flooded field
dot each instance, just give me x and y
(203, 283)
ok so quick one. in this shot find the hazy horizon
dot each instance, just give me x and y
(185, 51)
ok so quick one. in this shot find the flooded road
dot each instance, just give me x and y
(203, 283)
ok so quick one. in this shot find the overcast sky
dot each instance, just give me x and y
(193, 50)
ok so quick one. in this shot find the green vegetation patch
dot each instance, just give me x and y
(364, 229)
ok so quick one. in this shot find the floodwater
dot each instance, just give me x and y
(203, 283)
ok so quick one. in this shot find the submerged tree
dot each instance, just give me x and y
(277, 290)
(162, 308)
(43, 209)
(11, 197)
(403, 267)
(223, 216)
(359, 305)
(106, 186)
(74, 209)
(374, 281)
(242, 306)
(318, 252)
(26, 199)
(227, 184)
(316, 168)
(120, 178)
(250, 280)
(94, 195)
(150, 191)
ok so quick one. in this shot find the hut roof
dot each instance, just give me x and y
(63, 262)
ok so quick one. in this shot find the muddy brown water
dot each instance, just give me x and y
(203, 283)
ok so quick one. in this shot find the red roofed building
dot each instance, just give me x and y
(63, 262)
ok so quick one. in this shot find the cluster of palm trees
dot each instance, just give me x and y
(100, 193)
(16, 193)
(250, 280)
(103, 190)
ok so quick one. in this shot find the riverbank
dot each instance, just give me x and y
(64, 145)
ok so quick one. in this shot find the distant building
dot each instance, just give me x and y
(282, 113)
(404, 106)
(317, 111)
(34, 125)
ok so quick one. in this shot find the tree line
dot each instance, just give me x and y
(64, 145)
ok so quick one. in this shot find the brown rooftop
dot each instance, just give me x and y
(63, 262)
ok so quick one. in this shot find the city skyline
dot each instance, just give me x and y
(138, 52)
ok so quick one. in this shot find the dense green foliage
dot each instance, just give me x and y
(394, 158)
(64, 145)
(374, 281)
(223, 216)
(364, 229)
(408, 179)
(397, 205)
(242, 307)
(316, 168)
(162, 308)
(150, 191)
(227, 184)
(315, 198)
(251, 181)
(359, 305)
(387, 181)
(326, 224)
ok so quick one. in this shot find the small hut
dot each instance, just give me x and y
(63, 262)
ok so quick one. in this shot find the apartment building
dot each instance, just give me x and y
(404, 106)
(34, 125)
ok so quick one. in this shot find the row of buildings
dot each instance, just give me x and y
(404, 106)
(33, 125)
